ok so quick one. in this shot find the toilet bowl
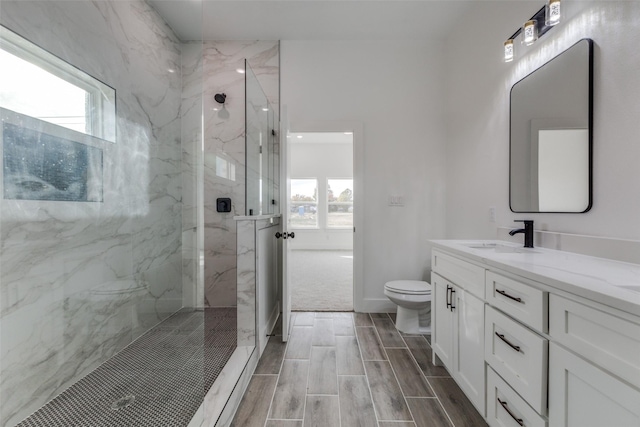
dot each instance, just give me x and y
(412, 297)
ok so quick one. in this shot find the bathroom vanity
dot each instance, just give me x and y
(538, 337)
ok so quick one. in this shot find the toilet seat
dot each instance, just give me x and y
(409, 287)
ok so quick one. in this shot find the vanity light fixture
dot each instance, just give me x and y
(508, 50)
(552, 12)
(534, 28)
(530, 32)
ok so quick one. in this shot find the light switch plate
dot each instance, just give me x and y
(396, 201)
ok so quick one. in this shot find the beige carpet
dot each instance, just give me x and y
(321, 280)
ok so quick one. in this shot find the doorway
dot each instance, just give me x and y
(321, 214)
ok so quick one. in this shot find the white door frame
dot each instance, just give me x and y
(358, 189)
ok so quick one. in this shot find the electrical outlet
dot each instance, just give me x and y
(492, 214)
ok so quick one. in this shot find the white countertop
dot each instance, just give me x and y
(613, 283)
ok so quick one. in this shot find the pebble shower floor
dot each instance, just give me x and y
(159, 380)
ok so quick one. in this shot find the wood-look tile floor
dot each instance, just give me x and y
(351, 370)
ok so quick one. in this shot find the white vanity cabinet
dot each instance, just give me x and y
(561, 334)
(458, 319)
(594, 369)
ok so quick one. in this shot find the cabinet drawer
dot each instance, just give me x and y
(523, 302)
(505, 408)
(519, 356)
(468, 276)
(609, 341)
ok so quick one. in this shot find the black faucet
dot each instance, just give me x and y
(527, 230)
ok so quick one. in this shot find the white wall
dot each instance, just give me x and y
(322, 161)
(478, 84)
(395, 89)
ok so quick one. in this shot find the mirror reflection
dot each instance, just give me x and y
(550, 140)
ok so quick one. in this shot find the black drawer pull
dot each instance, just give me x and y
(515, 347)
(449, 289)
(504, 405)
(453, 291)
(508, 296)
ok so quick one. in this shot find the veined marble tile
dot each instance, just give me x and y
(80, 280)
(246, 282)
(224, 143)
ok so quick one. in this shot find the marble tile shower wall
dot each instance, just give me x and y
(79, 281)
(192, 242)
(224, 150)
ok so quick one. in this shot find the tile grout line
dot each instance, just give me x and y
(428, 382)
(337, 378)
(306, 390)
(364, 368)
(393, 370)
(273, 395)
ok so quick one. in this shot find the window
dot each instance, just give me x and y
(35, 83)
(339, 203)
(304, 203)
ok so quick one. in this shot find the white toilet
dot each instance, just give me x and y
(412, 297)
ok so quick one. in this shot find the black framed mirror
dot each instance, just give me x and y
(551, 135)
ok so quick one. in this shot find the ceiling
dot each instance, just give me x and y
(310, 19)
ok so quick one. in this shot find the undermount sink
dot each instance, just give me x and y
(480, 245)
(498, 247)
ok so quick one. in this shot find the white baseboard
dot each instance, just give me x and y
(377, 305)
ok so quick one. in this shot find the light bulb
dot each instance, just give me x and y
(508, 50)
(530, 32)
(552, 12)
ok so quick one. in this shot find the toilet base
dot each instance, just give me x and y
(408, 321)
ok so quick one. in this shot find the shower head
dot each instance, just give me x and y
(220, 98)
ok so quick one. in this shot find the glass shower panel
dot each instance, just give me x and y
(101, 313)
(255, 130)
(260, 137)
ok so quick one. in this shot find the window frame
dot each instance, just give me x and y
(317, 225)
(334, 227)
(97, 98)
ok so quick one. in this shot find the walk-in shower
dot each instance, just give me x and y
(120, 303)
(103, 320)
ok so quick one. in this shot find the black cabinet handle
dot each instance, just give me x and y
(453, 291)
(278, 235)
(506, 408)
(515, 347)
(509, 296)
(449, 289)
(292, 235)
